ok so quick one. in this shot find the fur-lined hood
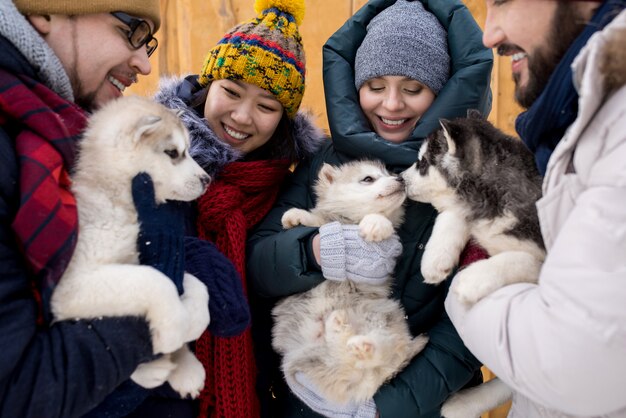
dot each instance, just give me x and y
(613, 64)
(599, 69)
(603, 60)
(211, 153)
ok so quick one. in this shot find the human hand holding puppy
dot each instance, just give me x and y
(160, 243)
(161, 231)
(343, 254)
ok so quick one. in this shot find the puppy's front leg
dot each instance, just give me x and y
(294, 217)
(375, 227)
(449, 237)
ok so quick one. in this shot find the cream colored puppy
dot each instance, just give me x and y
(348, 338)
(104, 278)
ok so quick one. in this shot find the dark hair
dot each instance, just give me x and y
(280, 146)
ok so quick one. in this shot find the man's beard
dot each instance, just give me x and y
(566, 25)
(86, 101)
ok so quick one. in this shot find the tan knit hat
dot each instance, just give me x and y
(148, 9)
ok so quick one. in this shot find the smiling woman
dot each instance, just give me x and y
(242, 111)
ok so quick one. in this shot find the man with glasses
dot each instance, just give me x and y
(59, 60)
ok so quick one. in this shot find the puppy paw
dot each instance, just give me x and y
(155, 373)
(294, 217)
(337, 321)
(375, 227)
(337, 326)
(188, 377)
(437, 264)
(195, 299)
(361, 348)
(472, 284)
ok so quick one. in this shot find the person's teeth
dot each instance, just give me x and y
(518, 56)
(117, 83)
(235, 134)
(393, 122)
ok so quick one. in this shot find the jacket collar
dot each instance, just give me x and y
(599, 70)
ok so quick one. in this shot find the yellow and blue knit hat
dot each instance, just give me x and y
(265, 51)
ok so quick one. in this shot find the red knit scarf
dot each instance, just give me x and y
(235, 202)
(46, 223)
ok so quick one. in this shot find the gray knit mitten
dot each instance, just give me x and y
(345, 255)
(304, 389)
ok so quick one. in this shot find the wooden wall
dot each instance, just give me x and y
(191, 27)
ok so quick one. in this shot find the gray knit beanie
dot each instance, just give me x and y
(406, 40)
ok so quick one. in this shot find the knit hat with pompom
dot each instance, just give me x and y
(265, 51)
(404, 40)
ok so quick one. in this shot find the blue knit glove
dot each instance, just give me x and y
(304, 389)
(161, 231)
(345, 255)
(228, 307)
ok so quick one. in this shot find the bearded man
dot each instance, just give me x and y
(561, 344)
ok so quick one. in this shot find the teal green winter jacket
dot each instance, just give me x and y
(279, 262)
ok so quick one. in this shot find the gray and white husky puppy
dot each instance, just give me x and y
(348, 338)
(484, 184)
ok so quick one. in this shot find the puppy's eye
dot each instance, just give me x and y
(367, 179)
(172, 153)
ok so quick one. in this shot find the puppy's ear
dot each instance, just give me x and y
(448, 133)
(145, 127)
(474, 114)
(327, 174)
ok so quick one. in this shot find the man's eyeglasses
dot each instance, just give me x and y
(139, 34)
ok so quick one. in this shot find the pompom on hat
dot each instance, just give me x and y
(265, 51)
(404, 40)
(147, 9)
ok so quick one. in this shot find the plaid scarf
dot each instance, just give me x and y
(239, 198)
(46, 223)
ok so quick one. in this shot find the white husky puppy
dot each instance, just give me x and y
(484, 184)
(128, 136)
(348, 338)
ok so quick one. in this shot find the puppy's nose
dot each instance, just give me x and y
(205, 179)
(400, 179)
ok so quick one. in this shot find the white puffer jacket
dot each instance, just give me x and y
(561, 344)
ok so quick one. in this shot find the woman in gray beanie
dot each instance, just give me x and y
(390, 72)
(400, 67)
